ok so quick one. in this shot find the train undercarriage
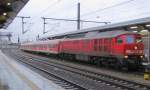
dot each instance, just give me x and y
(131, 63)
(134, 63)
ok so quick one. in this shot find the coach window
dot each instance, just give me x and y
(95, 44)
(119, 40)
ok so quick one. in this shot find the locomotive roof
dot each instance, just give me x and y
(108, 34)
(108, 26)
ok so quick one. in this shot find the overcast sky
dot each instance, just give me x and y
(94, 10)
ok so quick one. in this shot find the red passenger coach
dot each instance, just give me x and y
(50, 46)
(115, 48)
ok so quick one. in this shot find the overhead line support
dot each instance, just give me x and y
(22, 20)
(75, 20)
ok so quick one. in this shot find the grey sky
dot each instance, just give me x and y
(94, 10)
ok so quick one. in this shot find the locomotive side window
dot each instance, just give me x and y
(119, 40)
(95, 44)
(129, 39)
(138, 40)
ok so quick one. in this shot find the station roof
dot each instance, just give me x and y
(5, 34)
(8, 11)
(107, 27)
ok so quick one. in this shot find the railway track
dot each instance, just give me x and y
(98, 78)
(51, 76)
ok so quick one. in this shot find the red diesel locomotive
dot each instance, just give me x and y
(114, 48)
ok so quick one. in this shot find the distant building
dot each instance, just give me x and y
(5, 39)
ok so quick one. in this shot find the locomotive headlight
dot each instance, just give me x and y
(135, 48)
(141, 56)
(126, 57)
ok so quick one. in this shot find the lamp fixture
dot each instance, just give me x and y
(8, 3)
(134, 27)
(148, 25)
(4, 14)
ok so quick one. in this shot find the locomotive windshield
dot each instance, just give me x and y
(129, 39)
(132, 39)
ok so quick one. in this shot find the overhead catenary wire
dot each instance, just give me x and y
(42, 12)
(75, 20)
(106, 8)
(35, 18)
(130, 15)
(55, 3)
(37, 15)
(44, 22)
(133, 16)
(81, 15)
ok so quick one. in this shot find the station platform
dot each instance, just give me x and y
(14, 76)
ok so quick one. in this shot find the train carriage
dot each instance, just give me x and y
(121, 47)
(117, 48)
(50, 46)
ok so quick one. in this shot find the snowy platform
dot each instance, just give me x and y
(18, 77)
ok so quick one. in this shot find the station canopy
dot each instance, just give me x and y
(141, 25)
(8, 11)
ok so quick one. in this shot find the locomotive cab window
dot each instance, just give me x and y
(119, 40)
(138, 39)
(129, 39)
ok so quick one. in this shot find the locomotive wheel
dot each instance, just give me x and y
(132, 67)
(120, 65)
(99, 63)
(117, 66)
